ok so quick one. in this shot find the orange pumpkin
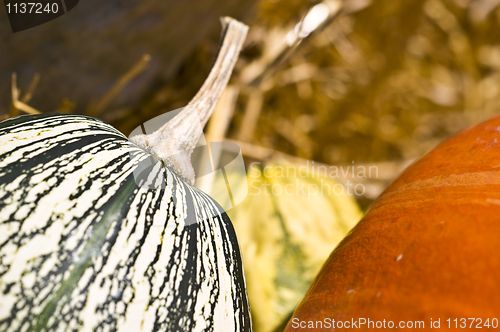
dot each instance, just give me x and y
(428, 248)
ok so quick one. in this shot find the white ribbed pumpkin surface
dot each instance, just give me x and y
(83, 247)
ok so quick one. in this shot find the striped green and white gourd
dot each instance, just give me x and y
(84, 247)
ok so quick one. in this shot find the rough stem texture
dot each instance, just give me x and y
(175, 141)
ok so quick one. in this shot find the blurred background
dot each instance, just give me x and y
(382, 81)
(341, 83)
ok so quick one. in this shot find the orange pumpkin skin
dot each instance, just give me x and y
(429, 247)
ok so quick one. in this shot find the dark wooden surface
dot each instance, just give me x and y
(81, 54)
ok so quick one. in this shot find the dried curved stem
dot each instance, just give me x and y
(175, 141)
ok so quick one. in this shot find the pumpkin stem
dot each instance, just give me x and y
(175, 141)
